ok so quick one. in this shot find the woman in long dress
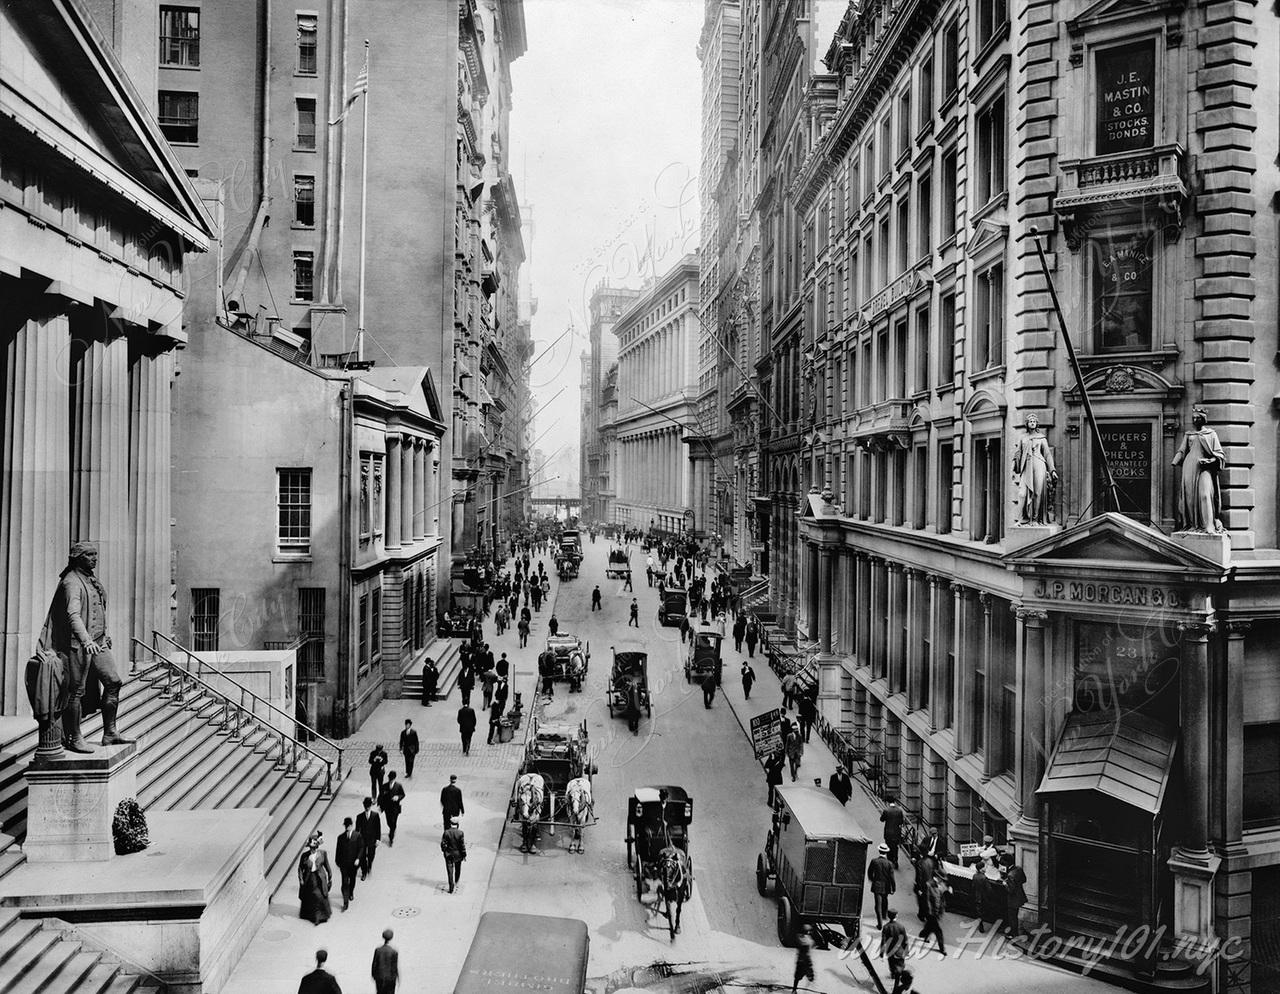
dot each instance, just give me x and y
(314, 879)
(1201, 457)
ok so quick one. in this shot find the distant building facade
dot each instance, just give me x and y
(606, 305)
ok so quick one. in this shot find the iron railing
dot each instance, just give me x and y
(248, 713)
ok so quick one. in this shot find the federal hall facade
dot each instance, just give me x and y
(1099, 686)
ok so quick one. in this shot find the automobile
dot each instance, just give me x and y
(673, 605)
(703, 658)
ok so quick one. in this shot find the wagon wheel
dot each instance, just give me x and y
(688, 884)
(786, 922)
(628, 849)
(639, 877)
(762, 876)
(609, 701)
(648, 704)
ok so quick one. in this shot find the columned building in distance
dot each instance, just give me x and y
(599, 487)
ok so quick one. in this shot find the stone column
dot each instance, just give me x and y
(433, 511)
(1032, 748)
(963, 682)
(1232, 766)
(812, 593)
(994, 692)
(394, 496)
(1195, 736)
(419, 489)
(406, 490)
(34, 502)
(938, 641)
(916, 592)
(893, 627)
(875, 616)
(149, 494)
(100, 477)
(863, 568)
(826, 581)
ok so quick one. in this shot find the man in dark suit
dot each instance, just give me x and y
(466, 726)
(451, 800)
(408, 748)
(319, 980)
(347, 854)
(386, 965)
(495, 722)
(880, 875)
(389, 801)
(892, 816)
(454, 847)
(369, 825)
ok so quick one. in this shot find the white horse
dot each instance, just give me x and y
(577, 667)
(531, 790)
(577, 795)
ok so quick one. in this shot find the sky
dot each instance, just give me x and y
(605, 148)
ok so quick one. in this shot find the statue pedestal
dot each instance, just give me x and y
(72, 801)
(1020, 536)
(1216, 547)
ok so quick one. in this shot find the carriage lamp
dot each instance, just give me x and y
(688, 810)
(639, 811)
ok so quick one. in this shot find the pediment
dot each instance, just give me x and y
(1123, 379)
(1112, 541)
(1108, 11)
(67, 88)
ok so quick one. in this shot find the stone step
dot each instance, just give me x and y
(448, 662)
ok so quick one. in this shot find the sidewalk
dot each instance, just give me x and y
(406, 890)
(974, 961)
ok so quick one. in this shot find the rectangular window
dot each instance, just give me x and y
(946, 469)
(375, 622)
(904, 234)
(205, 608)
(869, 167)
(878, 495)
(882, 366)
(993, 15)
(920, 351)
(304, 201)
(883, 254)
(1008, 725)
(926, 91)
(1126, 88)
(986, 520)
(293, 511)
(886, 146)
(855, 184)
(864, 486)
(919, 486)
(924, 216)
(180, 36)
(854, 286)
(362, 633)
(904, 121)
(978, 717)
(991, 151)
(1121, 270)
(1261, 775)
(179, 116)
(311, 630)
(900, 360)
(306, 44)
(948, 191)
(951, 60)
(947, 340)
(899, 488)
(988, 332)
(864, 388)
(306, 114)
(303, 276)
(837, 390)
(868, 268)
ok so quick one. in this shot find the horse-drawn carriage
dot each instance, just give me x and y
(673, 605)
(628, 690)
(816, 857)
(566, 657)
(658, 820)
(619, 565)
(566, 567)
(703, 661)
(554, 783)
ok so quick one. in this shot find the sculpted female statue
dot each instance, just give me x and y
(1199, 494)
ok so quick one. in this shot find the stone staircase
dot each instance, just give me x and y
(38, 956)
(448, 656)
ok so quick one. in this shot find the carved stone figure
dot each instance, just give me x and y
(1033, 468)
(1199, 492)
(76, 629)
(47, 687)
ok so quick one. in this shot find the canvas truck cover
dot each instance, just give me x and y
(525, 953)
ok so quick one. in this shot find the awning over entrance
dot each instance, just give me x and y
(1126, 756)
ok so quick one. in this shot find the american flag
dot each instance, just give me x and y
(361, 86)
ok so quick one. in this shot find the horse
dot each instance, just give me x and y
(577, 795)
(531, 790)
(674, 886)
(577, 666)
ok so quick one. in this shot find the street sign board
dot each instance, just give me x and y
(766, 733)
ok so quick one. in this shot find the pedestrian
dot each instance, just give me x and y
(795, 752)
(488, 679)
(1015, 882)
(319, 980)
(553, 625)
(347, 853)
(466, 684)
(892, 817)
(386, 965)
(495, 722)
(523, 629)
(804, 957)
(451, 805)
(894, 943)
(595, 599)
(648, 573)
(926, 867)
(408, 748)
(788, 691)
(807, 711)
(390, 802)
(840, 785)
(430, 676)
(703, 606)
(453, 846)
(880, 874)
(634, 619)
(932, 845)
(981, 894)
(708, 690)
(903, 984)
(936, 900)
(748, 678)
(466, 726)
(369, 825)
(686, 630)
(314, 880)
(627, 584)
(501, 690)
(377, 769)
(739, 630)
(773, 773)
(751, 637)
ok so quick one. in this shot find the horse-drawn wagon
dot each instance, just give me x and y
(658, 820)
(628, 690)
(816, 859)
(566, 657)
(619, 565)
(673, 605)
(703, 660)
(566, 567)
(554, 783)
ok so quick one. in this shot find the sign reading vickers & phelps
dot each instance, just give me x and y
(1126, 87)
(1129, 453)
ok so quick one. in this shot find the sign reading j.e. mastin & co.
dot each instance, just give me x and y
(1120, 594)
(1126, 87)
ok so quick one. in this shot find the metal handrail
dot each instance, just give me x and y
(191, 656)
(234, 714)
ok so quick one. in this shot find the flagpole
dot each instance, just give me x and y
(364, 195)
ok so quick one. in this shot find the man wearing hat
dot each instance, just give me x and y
(840, 785)
(451, 800)
(880, 874)
(386, 965)
(347, 854)
(76, 628)
(894, 944)
(319, 980)
(453, 846)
